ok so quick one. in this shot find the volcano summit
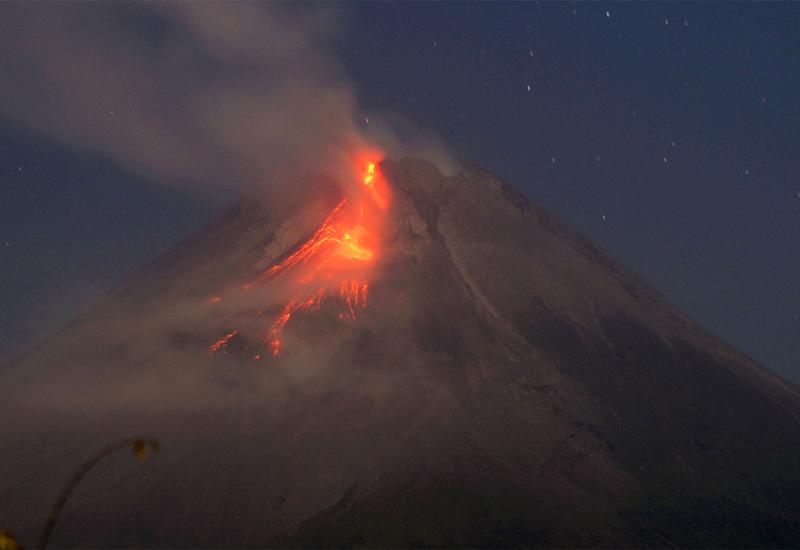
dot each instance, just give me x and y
(505, 383)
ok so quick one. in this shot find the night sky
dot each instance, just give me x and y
(667, 133)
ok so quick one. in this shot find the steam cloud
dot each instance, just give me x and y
(199, 94)
(188, 93)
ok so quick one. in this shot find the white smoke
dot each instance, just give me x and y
(223, 94)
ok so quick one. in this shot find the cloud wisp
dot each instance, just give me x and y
(186, 93)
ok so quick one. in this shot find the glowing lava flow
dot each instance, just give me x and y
(222, 342)
(336, 259)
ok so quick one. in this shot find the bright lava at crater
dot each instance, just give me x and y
(335, 262)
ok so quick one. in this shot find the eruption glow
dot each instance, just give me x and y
(335, 261)
(222, 342)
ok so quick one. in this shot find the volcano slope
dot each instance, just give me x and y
(506, 384)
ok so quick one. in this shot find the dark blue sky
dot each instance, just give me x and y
(668, 133)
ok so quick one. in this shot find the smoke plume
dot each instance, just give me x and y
(185, 93)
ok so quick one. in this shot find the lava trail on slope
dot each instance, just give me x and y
(334, 262)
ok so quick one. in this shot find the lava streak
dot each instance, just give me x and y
(283, 317)
(222, 342)
(334, 262)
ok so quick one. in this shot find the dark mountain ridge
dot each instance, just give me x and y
(508, 384)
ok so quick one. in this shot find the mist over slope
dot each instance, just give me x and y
(506, 384)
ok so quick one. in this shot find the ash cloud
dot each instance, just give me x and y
(243, 96)
(222, 94)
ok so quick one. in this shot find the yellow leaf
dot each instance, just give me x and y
(143, 447)
(8, 542)
(140, 449)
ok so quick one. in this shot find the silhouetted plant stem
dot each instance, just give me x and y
(138, 445)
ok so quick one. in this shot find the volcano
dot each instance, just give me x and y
(503, 382)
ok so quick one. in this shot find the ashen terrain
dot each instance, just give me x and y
(507, 384)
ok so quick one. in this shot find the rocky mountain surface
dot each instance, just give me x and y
(507, 384)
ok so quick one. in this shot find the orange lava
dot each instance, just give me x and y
(335, 261)
(222, 342)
